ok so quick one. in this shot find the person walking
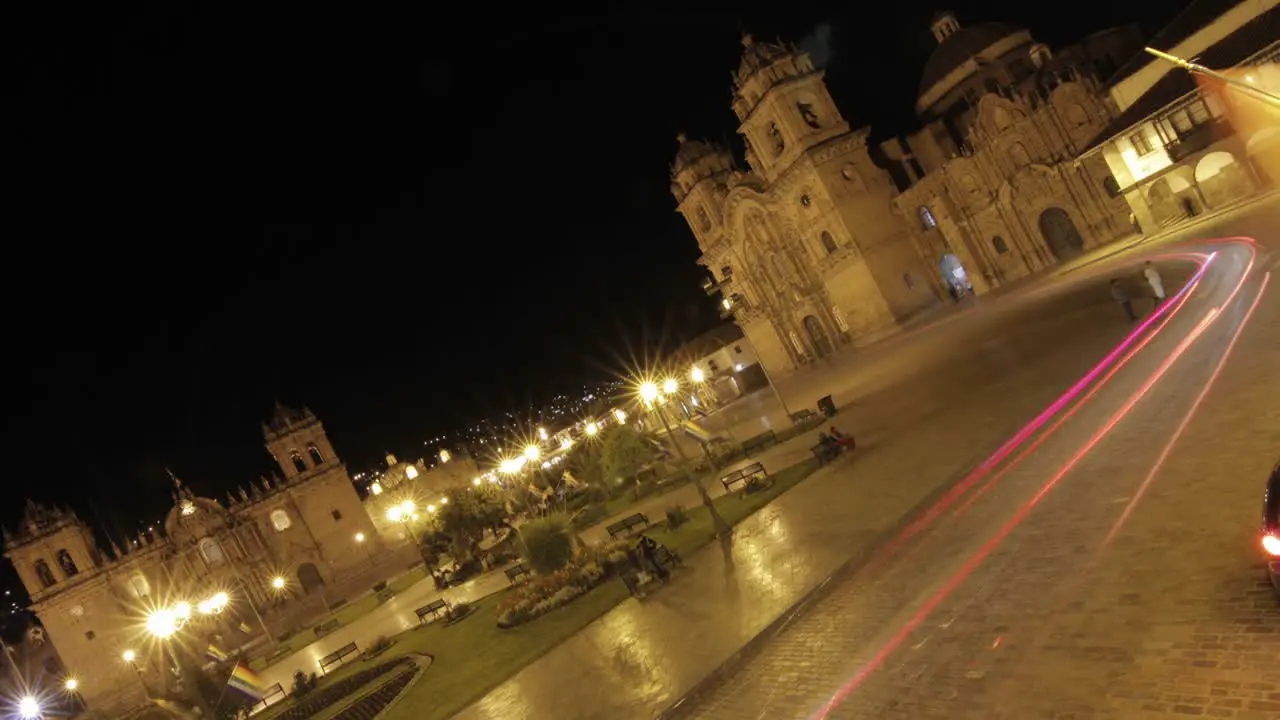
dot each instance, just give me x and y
(1122, 296)
(1154, 280)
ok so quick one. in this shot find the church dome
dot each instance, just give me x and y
(957, 45)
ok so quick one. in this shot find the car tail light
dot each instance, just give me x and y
(1271, 543)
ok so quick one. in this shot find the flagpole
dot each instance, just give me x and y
(1196, 69)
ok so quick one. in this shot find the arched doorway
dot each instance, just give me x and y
(955, 276)
(1060, 233)
(817, 336)
(309, 577)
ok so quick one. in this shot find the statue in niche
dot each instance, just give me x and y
(807, 113)
(776, 135)
(704, 220)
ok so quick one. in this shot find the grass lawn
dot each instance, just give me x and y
(344, 615)
(474, 656)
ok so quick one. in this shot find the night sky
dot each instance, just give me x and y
(401, 218)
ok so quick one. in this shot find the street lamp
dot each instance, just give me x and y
(71, 684)
(592, 429)
(163, 624)
(649, 393)
(28, 707)
(359, 537)
(532, 452)
(129, 656)
(620, 416)
(277, 582)
(697, 375)
(669, 386)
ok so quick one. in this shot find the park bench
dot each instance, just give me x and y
(759, 442)
(825, 452)
(273, 692)
(432, 608)
(803, 416)
(750, 475)
(627, 525)
(326, 627)
(517, 570)
(337, 657)
(667, 558)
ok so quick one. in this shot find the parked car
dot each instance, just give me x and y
(1271, 527)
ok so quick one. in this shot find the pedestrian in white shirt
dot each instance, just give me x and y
(1154, 280)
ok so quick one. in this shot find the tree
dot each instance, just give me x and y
(466, 517)
(626, 452)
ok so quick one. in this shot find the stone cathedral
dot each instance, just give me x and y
(825, 241)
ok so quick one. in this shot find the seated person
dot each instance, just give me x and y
(825, 440)
(839, 438)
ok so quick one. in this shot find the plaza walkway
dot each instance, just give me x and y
(926, 407)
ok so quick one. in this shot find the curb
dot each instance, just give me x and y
(687, 703)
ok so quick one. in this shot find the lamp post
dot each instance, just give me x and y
(163, 624)
(649, 393)
(406, 513)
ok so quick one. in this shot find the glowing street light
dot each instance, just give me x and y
(376, 488)
(444, 500)
(669, 386)
(395, 514)
(359, 539)
(163, 623)
(542, 433)
(476, 481)
(532, 452)
(592, 429)
(648, 392)
(444, 456)
(277, 582)
(697, 375)
(565, 444)
(430, 509)
(620, 416)
(71, 684)
(28, 707)
(129, 656)
(410, 472)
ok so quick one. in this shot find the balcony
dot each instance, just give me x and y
(711, 287)
(1198, 138)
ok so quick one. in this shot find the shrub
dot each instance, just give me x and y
(676, 516)
(547, 544)
(548, 592)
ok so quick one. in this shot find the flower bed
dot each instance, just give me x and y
(545, 593)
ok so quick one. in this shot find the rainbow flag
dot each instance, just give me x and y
(696, 431)
(246, 681)
(214, 654)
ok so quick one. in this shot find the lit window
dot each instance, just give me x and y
(280, 520)
(926, 218)
(1141, 143)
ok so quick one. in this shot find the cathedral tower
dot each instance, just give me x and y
(297, 441)
(699, 182)
(783, 105)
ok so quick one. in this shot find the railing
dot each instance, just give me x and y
(1198, 138)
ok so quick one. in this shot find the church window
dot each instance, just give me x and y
(808, 115)
(926, 218)
(704, 220)
(67, 564)
(298, 463)
(828, 242)
(280, 520)
(337, 515)
(45, 574)
(1018, 154)
(212, 552)
(776, 136)
(316, 457)
(841, 322)
(140, 586)
(998, 244)
(1111, 186)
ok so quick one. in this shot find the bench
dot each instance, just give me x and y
(748, 476)
(432, 608)
(759, 442)
(516, 571)
(326, 627)
(825, 452)
(627, 525)
(337, 657)
(803, 416)
(667, 558)
(385, 594)
(271, 693)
